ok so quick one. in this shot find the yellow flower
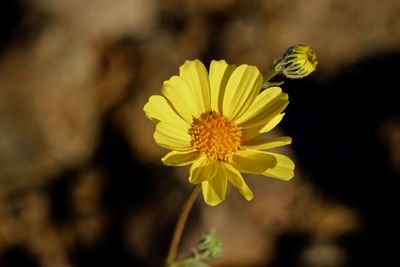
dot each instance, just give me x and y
(298, 61)
(217, 122)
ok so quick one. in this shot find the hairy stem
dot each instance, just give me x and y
(180, 225)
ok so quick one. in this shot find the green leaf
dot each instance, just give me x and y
(192, 263)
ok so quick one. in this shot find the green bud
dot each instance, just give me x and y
(298, 61)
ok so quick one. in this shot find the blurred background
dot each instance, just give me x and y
(81, 181)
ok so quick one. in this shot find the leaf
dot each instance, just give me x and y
(192, 263)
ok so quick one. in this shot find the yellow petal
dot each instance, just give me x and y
(220, 72)
(272, 123)
(180, 158)
(256, 131)
(262, 105)
(284, 169)
(177, 91)
(267, 105)
(268, 143)
(158, 109)
(252, 161)
(196, 76)
(214, 190)
(241, 91)
(203, 169)
(237, 181)
(172, 138)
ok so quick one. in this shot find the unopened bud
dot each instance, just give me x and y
(298, 61)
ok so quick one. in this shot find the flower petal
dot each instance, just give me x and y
(172, 138)
(203, 169)
(177, 91)
(214, 190)
(220, 72)
(272, 123)
(268, 143)
(180, 158)
(241, 91)
(254, 132)
(158, 109)
(252, 161)
(284, 168)
(196, 76)
(237, 181)
(264, 106)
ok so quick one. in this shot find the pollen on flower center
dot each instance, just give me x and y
(215, 135)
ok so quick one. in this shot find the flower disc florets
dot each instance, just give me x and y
(215, 135)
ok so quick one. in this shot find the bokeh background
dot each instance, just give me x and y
(81, 181)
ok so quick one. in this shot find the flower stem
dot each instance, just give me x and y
(180, 225)
(269, 76)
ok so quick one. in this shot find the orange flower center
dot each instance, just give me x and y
(215, 135)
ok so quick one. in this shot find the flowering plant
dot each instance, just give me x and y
(218, 121)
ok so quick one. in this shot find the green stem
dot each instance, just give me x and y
(269, 76)
(180, 225)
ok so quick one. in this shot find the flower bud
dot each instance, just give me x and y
(298, 61)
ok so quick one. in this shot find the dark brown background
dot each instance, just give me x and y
(81, 182)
